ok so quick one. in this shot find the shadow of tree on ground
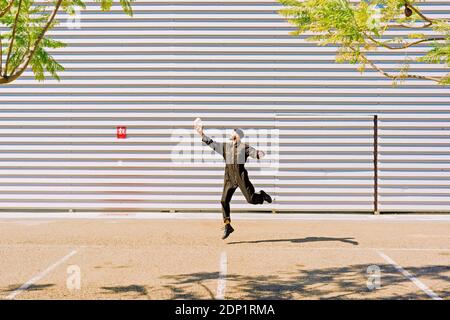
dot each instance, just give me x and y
(133, 288)
(33, 287)
(327, 283)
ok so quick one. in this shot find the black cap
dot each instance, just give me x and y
(240, 132)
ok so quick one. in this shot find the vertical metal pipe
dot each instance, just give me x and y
(375, 164)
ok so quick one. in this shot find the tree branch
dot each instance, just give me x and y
(392, 76)
(6, 9)
(1, 55)
(30, 52)
(13, 36)
(23, 57)
(429, 23)
(2, 13)
(382, 44)
(420, 14)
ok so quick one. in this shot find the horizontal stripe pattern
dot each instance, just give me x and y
(234, 64)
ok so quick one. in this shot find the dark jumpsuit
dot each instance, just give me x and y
(235, 156)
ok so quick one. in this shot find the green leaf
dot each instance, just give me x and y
(28, 27)
(126, 6)
(358, 28)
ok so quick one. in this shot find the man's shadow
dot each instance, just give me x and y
(301, 240)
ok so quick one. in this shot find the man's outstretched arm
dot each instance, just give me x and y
(216, 146)
(256, 154)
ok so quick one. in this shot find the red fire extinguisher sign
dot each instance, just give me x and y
(121, 132)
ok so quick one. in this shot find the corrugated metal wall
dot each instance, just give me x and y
(233, 64)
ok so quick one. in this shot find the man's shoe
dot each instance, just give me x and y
(228, 229)
(266, 197)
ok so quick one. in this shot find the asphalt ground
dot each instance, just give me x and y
(182, 256)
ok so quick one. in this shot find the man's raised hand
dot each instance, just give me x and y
(198, 126)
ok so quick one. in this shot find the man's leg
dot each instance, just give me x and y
(228, 190)
(227, 194)
(248, 190)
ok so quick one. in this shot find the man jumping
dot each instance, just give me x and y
(235, 154)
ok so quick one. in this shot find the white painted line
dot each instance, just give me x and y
(39, 276)
(222, 281)
(408, 275)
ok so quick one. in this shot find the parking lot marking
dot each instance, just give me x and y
(222, 282)
(412, 278)
(40, 275)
